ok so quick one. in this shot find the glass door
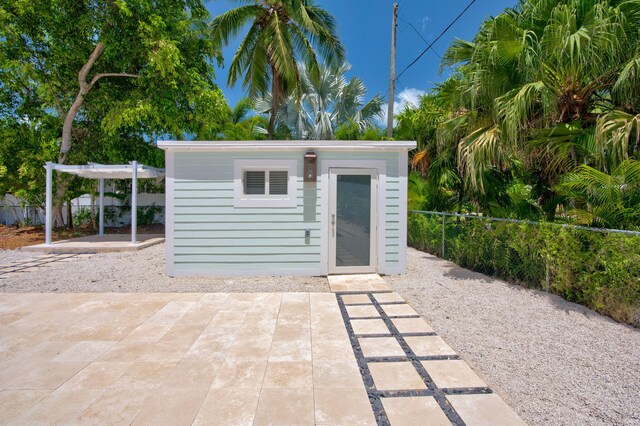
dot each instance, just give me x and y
(352, 216)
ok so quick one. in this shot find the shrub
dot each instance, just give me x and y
(596, 269)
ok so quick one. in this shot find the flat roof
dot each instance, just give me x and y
(284, 145)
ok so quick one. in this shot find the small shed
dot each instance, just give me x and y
(286, 207)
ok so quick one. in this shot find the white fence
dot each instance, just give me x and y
(13, 211)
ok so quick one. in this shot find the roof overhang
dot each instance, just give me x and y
(286, 145)
(109, 171)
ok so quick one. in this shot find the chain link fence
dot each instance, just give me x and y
(599, 268)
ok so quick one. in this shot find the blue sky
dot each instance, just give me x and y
(364, 26)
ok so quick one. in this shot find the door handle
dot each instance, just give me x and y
(333, 225)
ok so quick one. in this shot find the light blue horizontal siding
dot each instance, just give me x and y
(246, 244)
(210, 234)
(269, 235)
(246, 226)
(257, 258)
(218, 268)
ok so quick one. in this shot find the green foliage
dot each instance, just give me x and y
(596, 269)
(146, 215)
(543, 98)
(82, 216)
(611, 201)
(243, 127)
(351, 131)
(45, 44)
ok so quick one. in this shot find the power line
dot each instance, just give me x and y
(436, 39)
(409, 24)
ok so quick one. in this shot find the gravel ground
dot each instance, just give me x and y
(141, 271)
(554, 362)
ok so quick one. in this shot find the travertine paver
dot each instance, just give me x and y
(177, 359)
(292, 358)
(357, 283)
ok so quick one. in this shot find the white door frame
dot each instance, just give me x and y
(380, 166)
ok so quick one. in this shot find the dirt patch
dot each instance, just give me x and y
(13, 237)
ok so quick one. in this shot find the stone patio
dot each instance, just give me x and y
(215, 358)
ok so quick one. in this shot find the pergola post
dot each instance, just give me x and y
(134, 200)
(101, 207)
(48, 204)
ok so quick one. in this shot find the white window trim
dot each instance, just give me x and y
(240, 199)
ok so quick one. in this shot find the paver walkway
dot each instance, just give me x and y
(231, 359)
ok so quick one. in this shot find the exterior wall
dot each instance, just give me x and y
(208, 235)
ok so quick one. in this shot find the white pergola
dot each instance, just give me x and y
(101, 172)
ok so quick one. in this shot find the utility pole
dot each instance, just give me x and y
(392, 72)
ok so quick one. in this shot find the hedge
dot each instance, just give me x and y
(595, 269)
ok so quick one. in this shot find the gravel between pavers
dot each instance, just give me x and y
(554, 362)
(140, 271)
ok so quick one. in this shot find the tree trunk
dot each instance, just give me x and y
(67, 127)
(276, 95)
(93, 213)
(69, 215)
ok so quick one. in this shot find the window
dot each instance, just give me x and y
(265, 183)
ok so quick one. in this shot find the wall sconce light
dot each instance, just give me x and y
(310, 166)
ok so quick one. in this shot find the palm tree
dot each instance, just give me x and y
(326, 101)
(538, 78)
(610, 200)
(281, 32)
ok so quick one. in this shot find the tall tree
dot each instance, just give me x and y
(326, 101)
(281, 33)
(108, 72)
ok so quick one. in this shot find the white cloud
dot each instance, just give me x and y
(407, 97)
(425, 21)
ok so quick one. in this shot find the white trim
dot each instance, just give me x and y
(315, 272)
(240, 199)
(169, 214)
(373, 216)
(381, 167)
(403, 182)
(271, 145)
